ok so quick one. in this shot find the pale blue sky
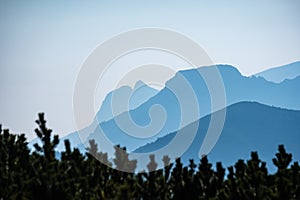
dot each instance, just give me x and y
(44, 43)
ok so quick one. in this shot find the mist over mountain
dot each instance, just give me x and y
(279, 74)
(249, 126)
(135, 97)
(161, 111)
(238, 88)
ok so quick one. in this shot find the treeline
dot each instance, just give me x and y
(39, 175)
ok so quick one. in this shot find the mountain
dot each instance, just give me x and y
(249, 126)
(135, 96)
(279, 74)
(173, 108)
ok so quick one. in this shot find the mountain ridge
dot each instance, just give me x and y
(238, 88)
(281, 73)
(262, 127)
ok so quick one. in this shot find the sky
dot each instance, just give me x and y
(43, 45)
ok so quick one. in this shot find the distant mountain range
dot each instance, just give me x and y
(240, 123)
(238, 88)
(135, 97)
(279, 74)
(249, 126)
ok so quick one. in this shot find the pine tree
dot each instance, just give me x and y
(45, 166)
(122, 161)
(207, 181)
(283, 185)
(295, 179)
(41, 175)
(176, 181)
(14, 163)
(257, 178)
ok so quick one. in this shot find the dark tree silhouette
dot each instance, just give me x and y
(43, 174)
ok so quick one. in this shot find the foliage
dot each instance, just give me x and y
(40, 175)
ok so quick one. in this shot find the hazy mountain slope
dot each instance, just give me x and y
(238, 88)
(165, 105)
(249, 126)
(279, 74)
(138, 95)
(135, 96)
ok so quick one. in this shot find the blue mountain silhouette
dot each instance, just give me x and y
(238, 88)
(249, 126)
(279, 74)
(143, 110)
(136, 96)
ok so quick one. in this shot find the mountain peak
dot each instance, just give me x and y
(139, 84)
(224, 69)
(227, 68)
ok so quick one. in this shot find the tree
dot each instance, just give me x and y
(122, 161)
(48, 145)
(14, 164)
(283, 185)
(41, 175)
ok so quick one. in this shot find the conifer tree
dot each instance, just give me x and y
(122, 161)
(42, 175)
(283, 185)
